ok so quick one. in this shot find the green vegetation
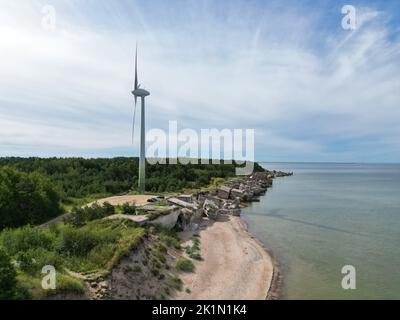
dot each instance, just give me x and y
(93, 248)
(184, 265)
(8, 277)
(70, 202)
(194, 250)
(152, 215)
(170, 237)
(160, 203)
(174, 283)
(79, 178)
(127, 208)
(31, 189)
(30, 287)
(79, 216)
(26, 198)
(34, 191)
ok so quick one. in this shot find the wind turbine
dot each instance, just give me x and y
(139, 92)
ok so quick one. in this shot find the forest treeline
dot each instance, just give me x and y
(78, 177)
(31, 189)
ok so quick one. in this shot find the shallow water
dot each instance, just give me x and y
(327, 216)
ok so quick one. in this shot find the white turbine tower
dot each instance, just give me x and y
(139, 92)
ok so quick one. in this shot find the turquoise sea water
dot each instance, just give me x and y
(327, 216)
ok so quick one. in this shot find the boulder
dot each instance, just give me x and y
(237, 193)
(230, 212)
(224, 192)
(180, 203)
(210, 209)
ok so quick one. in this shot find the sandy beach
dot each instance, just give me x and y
(234, 265)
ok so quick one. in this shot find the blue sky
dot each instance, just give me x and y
(311, 90)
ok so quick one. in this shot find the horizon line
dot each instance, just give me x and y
(258, 161)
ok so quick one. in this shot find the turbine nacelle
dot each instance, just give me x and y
(139, 92)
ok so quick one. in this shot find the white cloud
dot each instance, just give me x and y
(71, 88)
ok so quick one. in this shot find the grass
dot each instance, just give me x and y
(173, 282)
(90, 246)
(160, 203)
(71, 202)
(170, 237)
(65, 284)
(194, 251)
(184, 265)
(93, 248)
(153, 215)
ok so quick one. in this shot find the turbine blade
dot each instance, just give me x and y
(136, 76)
(133, 122)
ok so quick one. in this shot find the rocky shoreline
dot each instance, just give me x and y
(228, 199)
(187, 212)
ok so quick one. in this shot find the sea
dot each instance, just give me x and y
(327, 217)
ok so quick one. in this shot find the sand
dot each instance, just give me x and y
(139, 200)
(234, 266)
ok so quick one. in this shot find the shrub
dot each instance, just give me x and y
(108, 209)
(153, 215)
(195, 255)
(137, 269)
(69, 284)
(184, 265)
(95, 247)
(8, 276)
(170, 237)
(128, 209)
(26, 238)
(78, 242)
(33, 260)
(79, 216)
(174, 282)
(160, 247)
(194, 251)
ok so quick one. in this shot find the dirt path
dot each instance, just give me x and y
(234, 265)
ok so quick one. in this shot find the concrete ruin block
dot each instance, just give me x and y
(186, 197)
(180, 203)
(237, 193)
(224, 192)
(229, 212)
(210, 209)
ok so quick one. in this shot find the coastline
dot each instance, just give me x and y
(275, 286)
(235, 265)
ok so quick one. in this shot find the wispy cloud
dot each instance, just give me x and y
(310, 89)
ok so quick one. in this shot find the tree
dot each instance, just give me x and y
(8, 275)
(26, 198)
